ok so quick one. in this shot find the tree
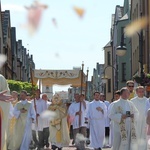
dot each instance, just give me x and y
(19, 86)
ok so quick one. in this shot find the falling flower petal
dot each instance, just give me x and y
(80, 11)
(80, 137)
(48, 114)
(3, 58)
(34, 15)
(54, 22)
(57, 55)
(136, 26)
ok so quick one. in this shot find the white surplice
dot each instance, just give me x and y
(27, 136)
(46, 121)
(140, 104)
(40, 108)
(147, 105)
(97, 123)
(120, 107)
(75, 107)
(107, 120)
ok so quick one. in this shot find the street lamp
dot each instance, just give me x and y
(105, 78)
(121, 50)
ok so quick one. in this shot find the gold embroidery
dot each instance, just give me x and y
(123, 129)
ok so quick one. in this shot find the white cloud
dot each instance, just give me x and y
(12, 7)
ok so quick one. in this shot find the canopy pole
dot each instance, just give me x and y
(81, 91)
(86, 90)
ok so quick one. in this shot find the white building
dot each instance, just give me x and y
(48, 90)
(63, 95)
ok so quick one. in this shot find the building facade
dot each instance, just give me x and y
(109, 72)
(19, 62)
(140, 55)
(124, 62)
(6, 28)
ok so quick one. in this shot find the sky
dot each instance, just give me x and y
(69, 41)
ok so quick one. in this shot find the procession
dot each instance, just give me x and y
(121, 125)
(49, 100)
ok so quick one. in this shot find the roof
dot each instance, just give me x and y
(125, 17)
(108, 44)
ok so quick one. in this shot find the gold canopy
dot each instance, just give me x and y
(59, 77)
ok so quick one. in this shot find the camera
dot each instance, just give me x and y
(128, 113)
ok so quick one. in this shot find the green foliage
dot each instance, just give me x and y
(19, 86)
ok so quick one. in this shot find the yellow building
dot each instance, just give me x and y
(109, 73)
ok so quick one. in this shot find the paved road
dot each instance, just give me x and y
(72, 148)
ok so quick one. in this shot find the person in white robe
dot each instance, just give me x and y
(140, 103)
(111, 136)
(147, 105)
(124, 114)
(40, 107)
(107, 121)
(46, 121)
(25, 115)
(78, 119)
(97, 113)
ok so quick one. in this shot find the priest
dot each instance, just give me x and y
(124, 114)
(25, 115)
(96, 114)
(12, 121)
(4, 112)
(59, 131)
(140, 103)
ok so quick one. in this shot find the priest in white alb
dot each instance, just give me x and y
(124, 114)
(140, 103)
(25, 115)
(96, 114)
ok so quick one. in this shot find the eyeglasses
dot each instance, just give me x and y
(130, 86)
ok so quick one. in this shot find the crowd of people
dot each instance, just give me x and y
(34, 123)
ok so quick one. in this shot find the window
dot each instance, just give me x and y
(108, 58)
(47, 88)
(123, 71)
(123, 35)
(109, 85)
